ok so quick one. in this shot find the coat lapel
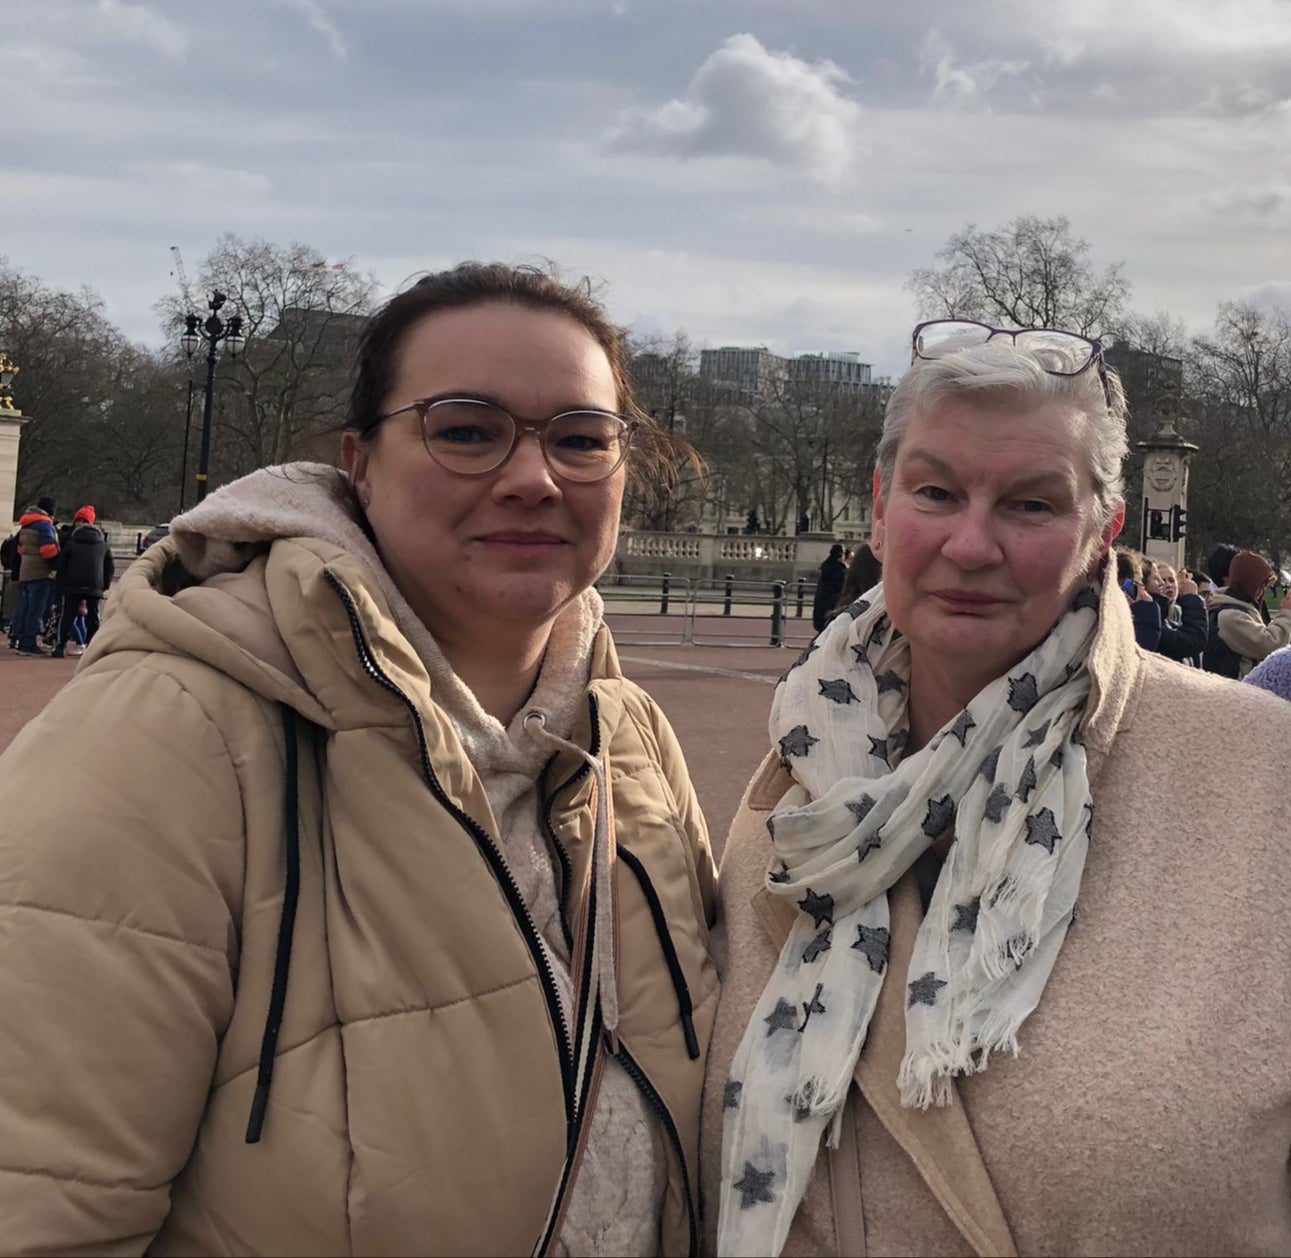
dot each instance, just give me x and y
(939, 1141)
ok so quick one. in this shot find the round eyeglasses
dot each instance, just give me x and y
(471, 437)
(1058, 353)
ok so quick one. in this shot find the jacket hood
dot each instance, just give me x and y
(1226, 598)
(32, 516)
(1248, 574)
(214, 590)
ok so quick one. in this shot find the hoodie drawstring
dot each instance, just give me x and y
(286, 928)
(605, 942)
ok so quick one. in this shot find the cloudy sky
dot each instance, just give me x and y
(754, 172)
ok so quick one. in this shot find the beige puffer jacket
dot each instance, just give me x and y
(419, 1094)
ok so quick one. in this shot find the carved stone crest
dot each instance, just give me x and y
(1162, 472)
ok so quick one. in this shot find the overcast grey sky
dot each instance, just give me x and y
(752, 172)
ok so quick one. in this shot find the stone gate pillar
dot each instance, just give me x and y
(1165, 494)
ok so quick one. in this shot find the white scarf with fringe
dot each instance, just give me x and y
(1008, 777)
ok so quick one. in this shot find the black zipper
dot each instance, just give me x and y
(679, 985)
(562, 855)
(583, 1106)
(655, 1101)
(486, 846)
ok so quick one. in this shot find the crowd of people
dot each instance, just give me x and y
(61, 574)
(1226, 620)
(369, 908)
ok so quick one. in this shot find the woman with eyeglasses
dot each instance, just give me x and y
(351, 899)
(993, 981)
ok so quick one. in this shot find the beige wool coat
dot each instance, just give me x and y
(419, 1096)
(1149, 1111)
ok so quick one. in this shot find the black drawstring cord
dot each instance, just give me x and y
(679, 985)
(286, 925)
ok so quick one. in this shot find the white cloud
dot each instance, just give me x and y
(137, 24)
(1211, 28)
(750, 101)
(958, 82)
(313, 13)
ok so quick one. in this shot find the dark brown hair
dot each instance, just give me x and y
(863, 573)
(656, 456)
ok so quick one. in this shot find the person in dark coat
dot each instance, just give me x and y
(828, 586)
(864, 572)
(1143, 608)
(86, 566)
(1183, 614)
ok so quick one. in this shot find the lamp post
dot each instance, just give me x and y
(214, 331)
(188, 428)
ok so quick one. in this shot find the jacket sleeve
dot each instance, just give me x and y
(120, 880)
(1190, 637)
(675, 772)
(1147, 624)
(47, 539)
(1249, 636)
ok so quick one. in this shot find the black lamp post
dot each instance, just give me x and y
(188, 428)
(216, 331)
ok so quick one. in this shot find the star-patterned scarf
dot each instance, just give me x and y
(1008, 776)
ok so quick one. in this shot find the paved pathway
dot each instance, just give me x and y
(716, 698)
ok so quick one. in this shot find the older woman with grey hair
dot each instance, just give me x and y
(919, 1050)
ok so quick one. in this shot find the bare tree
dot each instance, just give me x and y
(813, 446)
(1238, 410)
(302, 317)
(101, 426)
(1030, 273)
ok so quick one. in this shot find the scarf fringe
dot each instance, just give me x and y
(996, 956)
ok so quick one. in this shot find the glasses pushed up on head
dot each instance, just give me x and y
(471, 437)
(1057, 352)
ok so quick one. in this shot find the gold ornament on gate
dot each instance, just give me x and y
(8, 369)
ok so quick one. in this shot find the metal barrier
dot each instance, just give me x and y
(647, 610)
(727, 612)
(665, 610)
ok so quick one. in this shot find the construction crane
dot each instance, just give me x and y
(182, 276)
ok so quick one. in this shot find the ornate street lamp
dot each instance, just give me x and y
(214, 331)
(8, 369)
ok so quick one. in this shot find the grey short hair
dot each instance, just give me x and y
(1000, 372)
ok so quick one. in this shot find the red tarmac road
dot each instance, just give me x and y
(717, 699)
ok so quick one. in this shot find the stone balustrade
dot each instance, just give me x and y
(700, 556)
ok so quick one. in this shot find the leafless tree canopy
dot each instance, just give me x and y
(302, 317)
(1030, 273)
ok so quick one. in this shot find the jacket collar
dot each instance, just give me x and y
(1115, 672)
